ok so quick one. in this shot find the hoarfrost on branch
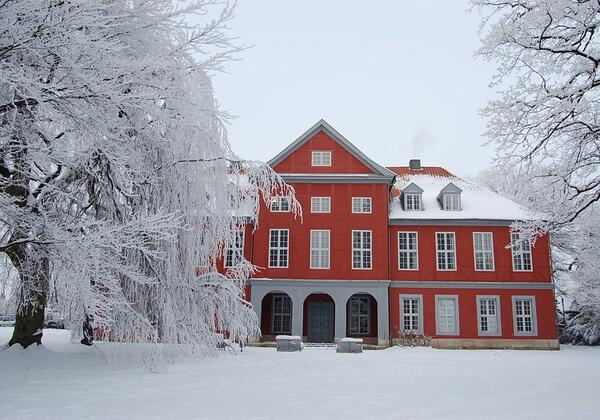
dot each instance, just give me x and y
(118, 187)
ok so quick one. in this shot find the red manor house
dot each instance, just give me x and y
(384, 252)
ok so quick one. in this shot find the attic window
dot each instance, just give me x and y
(321, 158)
(449, 197)
(412, 202)
(411, 197)
(451, 201)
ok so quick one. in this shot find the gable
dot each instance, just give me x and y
(342, 161)
(345, 157)
(451, 188)
(412, 188)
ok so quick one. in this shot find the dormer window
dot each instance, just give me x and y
(321, 158)
(412, 202)
(449, 198)
(451, 202)
(412, 198)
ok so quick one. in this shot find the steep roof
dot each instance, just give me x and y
(322, 125)
(477, 202)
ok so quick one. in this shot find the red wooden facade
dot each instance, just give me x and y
(351, 284)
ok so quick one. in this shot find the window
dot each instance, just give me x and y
(446, 251)
(412, 202)
(320, 204)
(483, 246)
(282, 314)
(524, 315)
(234, 251)
(278, 248)
(361, 249)
(411, 313)
(408, 254)
(320, 158)
(319, 249)
(361, 204)
(488, 315)
(521, 253)
(451, 202)
(280, 204)
(446, 312)
(359, 315)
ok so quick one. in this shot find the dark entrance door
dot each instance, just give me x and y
(320, 322)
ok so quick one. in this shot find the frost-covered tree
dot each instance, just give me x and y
(546, 127)
(575, 249)
(583, 325)
(546, 122)
(118, 188)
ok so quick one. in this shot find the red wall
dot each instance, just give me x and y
(300, 161)
(341, 221)
(465, 256)
(467, 307)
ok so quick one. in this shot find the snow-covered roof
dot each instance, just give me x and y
(476, 202)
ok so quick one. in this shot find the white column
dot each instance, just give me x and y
(256, 297)
(297, 313)
(340, 315)
(383, 318)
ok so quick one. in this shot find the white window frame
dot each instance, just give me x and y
(358, 205)
(448, 204)
(438, 326)
(533, 316)
(408, 251)
(518, 253)
(318, 208)
(318, 158)
(480, 316)
(484, 252)
(419, 313)
(445, 251)
(321, 251)
(362, 250)
(279, 248)
(277, 204)
(281, 314)
(359, 315)
(416, 202)
(234, 254)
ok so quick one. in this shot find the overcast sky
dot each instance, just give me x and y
(397, 78)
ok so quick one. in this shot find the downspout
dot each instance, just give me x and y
(389, 302)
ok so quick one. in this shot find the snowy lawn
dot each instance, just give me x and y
(66, 381)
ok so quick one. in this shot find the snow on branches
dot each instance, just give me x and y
(546, 122)
(117, 183)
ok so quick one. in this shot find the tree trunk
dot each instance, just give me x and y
(88, 331)
(33, 274)
(29, 321)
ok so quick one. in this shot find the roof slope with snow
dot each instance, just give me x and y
(476, 202)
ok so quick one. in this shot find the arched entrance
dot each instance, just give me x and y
(276, 315)
(361, 320)
(319, 318)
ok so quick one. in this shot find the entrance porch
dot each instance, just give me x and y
(322, 311)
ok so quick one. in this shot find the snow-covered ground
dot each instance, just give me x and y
(66, 381)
